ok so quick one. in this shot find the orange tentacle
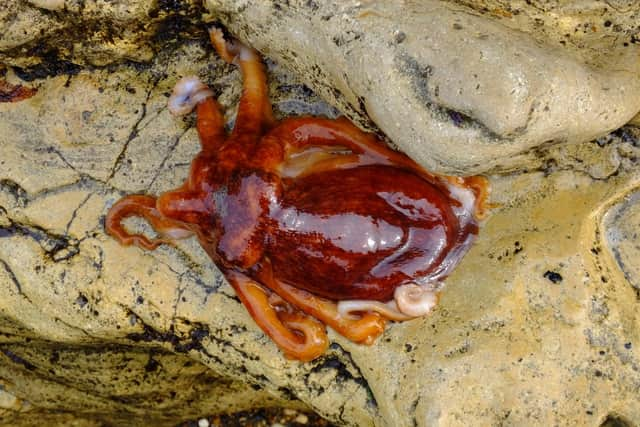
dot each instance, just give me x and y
(145, 207)
(210, 124)
(254, 111)
(298, 336)
(364, 329)
(480, 187)
(315, 161)
(301, 134)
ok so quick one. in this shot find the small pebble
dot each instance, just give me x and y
(399, 36)
(301, 419)
(203, 422)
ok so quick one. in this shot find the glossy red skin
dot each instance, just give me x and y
(310, 203)
(313, 229)
(358, 242)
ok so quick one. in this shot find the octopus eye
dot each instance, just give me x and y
(188, 93)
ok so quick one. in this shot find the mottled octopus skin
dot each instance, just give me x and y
(306, 212)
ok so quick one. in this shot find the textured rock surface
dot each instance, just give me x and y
(538, 326)
(91, 32)
(463, 89)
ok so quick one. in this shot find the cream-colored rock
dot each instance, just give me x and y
(537, 326)
(462, 89)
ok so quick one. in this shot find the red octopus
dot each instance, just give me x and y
(311, 220)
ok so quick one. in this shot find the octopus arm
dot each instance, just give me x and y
(300, 337)
(363, 328)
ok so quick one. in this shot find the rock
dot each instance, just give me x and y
(537, 326)
(72, 293)
(48, 36)
(122, 385)
(462, 89)
(621, 236)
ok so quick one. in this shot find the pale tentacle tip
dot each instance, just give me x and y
(187, 93)
(215, 31)
(414, 300)
(409, 301)
(353, 309)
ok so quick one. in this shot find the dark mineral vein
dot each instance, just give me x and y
(11, 274)
(17, 359)
(134, 132)
(57, 247)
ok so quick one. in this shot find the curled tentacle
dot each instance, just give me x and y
(387, 310)
(410, 301)
(308, 329)
(145, 207)
(414, 300)
(299, 336)
(188, 93)
(362, 328)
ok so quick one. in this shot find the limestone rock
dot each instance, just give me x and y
(461, 86)
(537, 326)
(44, 36)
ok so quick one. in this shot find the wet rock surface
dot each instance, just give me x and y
(537, 326)
(462, 86)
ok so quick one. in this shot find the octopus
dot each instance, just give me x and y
(313, 221)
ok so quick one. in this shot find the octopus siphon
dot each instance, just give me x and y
(313, 222)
